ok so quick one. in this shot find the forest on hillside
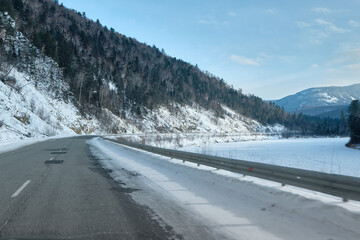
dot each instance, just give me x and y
(354, 122)
(106, 69)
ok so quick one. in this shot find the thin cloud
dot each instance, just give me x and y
(322, 22)
(232, 14)
(271, 11)
(318, 36)
(330, 26)
(316, 41)
(320, 29)
(206, 21)
(337, 29)
(346, 60)
(315, 66)
(345, 66)
(266, 57)
(347, 55)
(353, 23)
(303, 24)
(244, 61)
(321, 10)
(355, 66)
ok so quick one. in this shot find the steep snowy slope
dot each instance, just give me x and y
(34, 99)
(26, 110)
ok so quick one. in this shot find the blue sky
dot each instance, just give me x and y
(267, 48)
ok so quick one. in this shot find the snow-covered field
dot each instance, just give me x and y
(318, 154)
(212, 204)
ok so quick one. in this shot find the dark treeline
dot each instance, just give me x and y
(354, 122)
(108, 70)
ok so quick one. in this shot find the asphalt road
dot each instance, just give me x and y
(57, 190)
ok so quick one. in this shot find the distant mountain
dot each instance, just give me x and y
(322, 101)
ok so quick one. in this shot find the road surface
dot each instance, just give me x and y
(57, 190)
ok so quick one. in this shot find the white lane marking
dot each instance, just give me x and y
(20, 189)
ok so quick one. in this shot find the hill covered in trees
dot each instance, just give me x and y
(107, 70)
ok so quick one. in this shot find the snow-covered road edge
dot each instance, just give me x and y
(7, 146)
(231, 203)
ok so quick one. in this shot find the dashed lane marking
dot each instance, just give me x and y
(20, 189)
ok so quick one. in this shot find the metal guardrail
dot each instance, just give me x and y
(342, 186)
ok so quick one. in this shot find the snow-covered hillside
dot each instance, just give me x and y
(315, 101)
(28, 111)
(36, 102)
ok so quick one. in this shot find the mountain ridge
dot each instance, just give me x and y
(320, 100)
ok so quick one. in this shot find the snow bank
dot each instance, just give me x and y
(13, 145)
(6, 146)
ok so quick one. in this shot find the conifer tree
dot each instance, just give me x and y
(354, 122)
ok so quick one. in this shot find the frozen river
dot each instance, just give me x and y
(319, 154)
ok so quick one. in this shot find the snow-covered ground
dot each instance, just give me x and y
(13, 145)
(35, 100)
(205, 203)
(180, 140)
(6, 146)
(328, 155)
(30, 112)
